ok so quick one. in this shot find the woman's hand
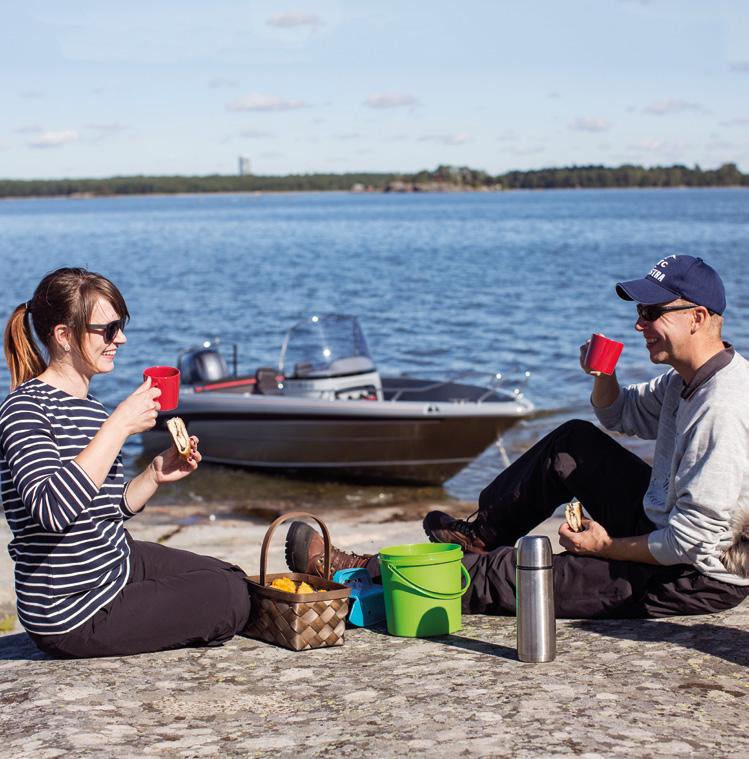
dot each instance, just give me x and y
(137, 413)
(169, 466)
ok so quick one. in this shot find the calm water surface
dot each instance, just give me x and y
(493, 282)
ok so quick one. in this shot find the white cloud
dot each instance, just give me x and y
(447, 139)
(662, 148)
(54, 139)
(649, 146)
(666, 107)
(590, 124)
(112, 128)
(391, 100)
(529, 150)
(219, 81)
(105, 131)
(718, 144)
(740, 66)
(509, 135)
(254, 134)
(257, 102)
(294, 19)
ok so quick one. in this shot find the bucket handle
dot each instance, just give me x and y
(432, 593)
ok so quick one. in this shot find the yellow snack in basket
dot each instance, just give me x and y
(285, 584)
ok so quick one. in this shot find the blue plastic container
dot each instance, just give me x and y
(367, 601)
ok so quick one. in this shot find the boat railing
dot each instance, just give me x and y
(492, 381)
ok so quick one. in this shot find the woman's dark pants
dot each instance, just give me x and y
(578, 459)
(172, 599)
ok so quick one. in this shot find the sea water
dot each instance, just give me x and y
(494, 282)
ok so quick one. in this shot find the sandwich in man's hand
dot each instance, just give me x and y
(573, 513)
(180, 436)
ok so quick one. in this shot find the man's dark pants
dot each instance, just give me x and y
(578, 459)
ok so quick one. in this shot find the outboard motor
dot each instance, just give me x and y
(202, 365)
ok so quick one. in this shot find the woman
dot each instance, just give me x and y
(84, 587)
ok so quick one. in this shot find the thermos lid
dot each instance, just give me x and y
(533, 552)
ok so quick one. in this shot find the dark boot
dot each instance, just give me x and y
(305, 553)
(472, 534)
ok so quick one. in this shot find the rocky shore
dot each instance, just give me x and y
(624, 688)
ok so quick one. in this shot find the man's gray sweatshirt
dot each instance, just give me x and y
(700, 481)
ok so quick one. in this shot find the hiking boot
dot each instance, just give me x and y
(469, 535)
(305, 553)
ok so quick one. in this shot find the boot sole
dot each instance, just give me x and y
(297, 546)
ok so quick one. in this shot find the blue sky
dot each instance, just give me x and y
(185, 87)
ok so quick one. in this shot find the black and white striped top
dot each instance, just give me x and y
(69, 548)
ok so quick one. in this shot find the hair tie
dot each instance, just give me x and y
(28, 305)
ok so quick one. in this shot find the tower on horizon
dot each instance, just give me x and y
(245, 166)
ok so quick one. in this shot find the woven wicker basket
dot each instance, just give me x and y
(298, 621)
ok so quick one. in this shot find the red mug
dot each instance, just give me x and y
(602, 355)
(166, 378)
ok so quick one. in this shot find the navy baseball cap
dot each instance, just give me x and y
(675, 277)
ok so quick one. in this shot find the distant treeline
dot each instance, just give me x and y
(449, 177)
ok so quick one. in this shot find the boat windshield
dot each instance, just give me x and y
(329, 345)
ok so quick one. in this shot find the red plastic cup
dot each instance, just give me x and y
(166, 378)
(602, 354)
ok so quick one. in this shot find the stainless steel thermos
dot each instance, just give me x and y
(534, 599)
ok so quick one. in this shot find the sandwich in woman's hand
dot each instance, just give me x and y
(573, 513)
(180, 436)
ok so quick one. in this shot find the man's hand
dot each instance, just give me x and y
(592, 541)
(595, 541)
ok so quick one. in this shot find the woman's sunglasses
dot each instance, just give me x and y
(110, 330)
(653, 313)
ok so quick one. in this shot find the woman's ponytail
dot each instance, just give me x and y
(21, 352)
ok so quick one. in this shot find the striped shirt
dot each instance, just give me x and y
(69, 548)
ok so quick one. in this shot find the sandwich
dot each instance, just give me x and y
(180, 436)
(573, 513)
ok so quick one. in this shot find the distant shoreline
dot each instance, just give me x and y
(260, 193)
(440, 180)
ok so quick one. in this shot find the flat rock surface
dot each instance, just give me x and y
(617, 688)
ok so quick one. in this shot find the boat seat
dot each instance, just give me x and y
(267, 381)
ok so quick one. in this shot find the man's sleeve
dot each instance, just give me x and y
(707, 485)
(637, 409)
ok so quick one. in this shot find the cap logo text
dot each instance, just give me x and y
(657, 275)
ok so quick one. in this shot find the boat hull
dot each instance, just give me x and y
(384, 441)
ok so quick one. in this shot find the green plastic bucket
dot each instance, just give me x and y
(423, 586)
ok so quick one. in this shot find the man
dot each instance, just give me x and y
(656, 537)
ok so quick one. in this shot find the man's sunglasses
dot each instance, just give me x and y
(110, 330)
(653, 313)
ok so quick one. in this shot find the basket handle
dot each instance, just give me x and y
(284, 518)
